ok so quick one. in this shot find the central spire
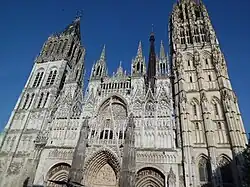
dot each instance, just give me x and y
(151, 63)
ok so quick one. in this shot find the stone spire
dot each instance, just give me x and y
(99, 69)
(162, 51)
(151, 63)
(119, 71)
(103, 54)
(139, 51)
(138, 66)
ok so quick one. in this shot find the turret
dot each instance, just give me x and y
(162, 66)
(99, 69)
(138, 64)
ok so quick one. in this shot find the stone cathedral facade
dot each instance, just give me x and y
(173, 121)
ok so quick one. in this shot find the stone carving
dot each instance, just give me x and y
(61, 154)
(105, 177)
(14, 168)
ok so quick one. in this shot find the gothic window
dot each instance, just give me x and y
(40, 100)
(226, 172)
(141, 67)
(203, 34)
(219, 126)
(188, 34)
(49, 78)
(209, 78)
(204, 171)
(38, 79)
(138, 67)
(207, 63)
(31, 99)
(53, 77)
(46, 98)
(120, 135)
(182, 35)
(26, 100)
(216, 110)
(191, 79)
(195, 109)
(196, 35)
(197, 14)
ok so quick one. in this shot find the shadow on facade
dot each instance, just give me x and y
(229, 173)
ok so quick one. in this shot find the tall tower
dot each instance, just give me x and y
(206, 106)
(57, 73)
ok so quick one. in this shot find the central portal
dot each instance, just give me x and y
(102, 170)
(105, 177)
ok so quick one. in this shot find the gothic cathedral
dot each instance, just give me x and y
(173, 121)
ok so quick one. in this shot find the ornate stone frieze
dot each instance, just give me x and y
(156, 157)
(61, 154)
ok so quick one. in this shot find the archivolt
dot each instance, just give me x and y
(150, 176)
(58, 172)
(98, 160)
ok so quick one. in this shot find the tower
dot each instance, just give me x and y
(51, 93)
(206, 107)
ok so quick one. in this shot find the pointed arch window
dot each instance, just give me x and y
(53, 77)
(46, 99)
(182, 35)
(216, 110)
(209, 78)
(40, 101)
(188, 34)
(38, 79)
(195, 109)
(31, 100)
(26, 100)
(49, 78)
(203, 34)
(196, 34)
(191, 79)
(204, 172)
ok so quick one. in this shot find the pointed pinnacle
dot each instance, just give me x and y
(103, 54)
(139, 51)
(162, 51)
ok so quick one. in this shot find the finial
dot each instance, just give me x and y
(139, 51)
(120, 64)
(152, 28)
(103, 54)
(162, 50)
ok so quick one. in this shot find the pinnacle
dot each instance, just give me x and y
(139, 51)
(103, 54)
(162, 51)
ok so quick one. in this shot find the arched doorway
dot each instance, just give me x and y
(102, 170)
(150, 177)
(58, 172)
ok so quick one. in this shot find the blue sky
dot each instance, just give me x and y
(119, 24)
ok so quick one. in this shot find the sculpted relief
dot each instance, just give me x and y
(105, 177)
